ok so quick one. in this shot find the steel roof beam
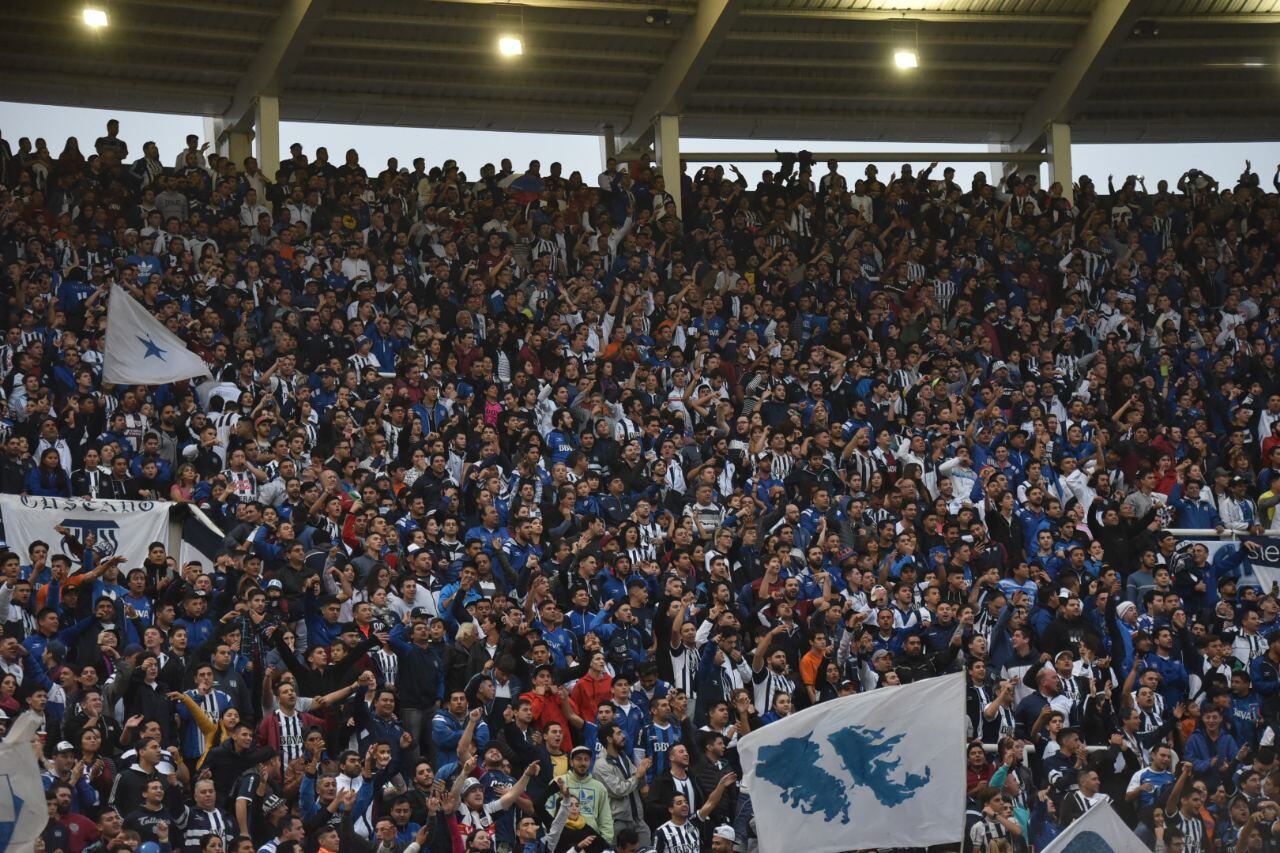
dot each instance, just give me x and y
(206, 7)
(280, 53)
(114, 93)
(846, 96)
(315, 82)
(12, 42)
(588, 5)
(34, 59)
(885, 37)
(811, 14)
(1080, 70)
(678, 77)
(1226, 18)
(848, 64)
(427, 49)
(1207, 42)
(40, 25)
(350, 21)
(921, 15)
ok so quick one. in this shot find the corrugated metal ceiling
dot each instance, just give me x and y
(805, 68)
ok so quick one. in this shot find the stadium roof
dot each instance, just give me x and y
(990, 70)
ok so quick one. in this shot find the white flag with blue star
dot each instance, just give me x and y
(880, 769)
(139, 350)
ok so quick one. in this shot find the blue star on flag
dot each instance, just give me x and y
(153, 349)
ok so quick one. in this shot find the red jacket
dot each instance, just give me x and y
(590, 692)
(547, 710)
(269, 728)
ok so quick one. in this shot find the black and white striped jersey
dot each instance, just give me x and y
(768, 684)
(680, 838)
(201, 823)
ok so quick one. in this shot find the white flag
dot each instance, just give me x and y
(880, 769)
(1266, 575)
(1099, 830)
(23, 814)
(139, 350)
(119, 527)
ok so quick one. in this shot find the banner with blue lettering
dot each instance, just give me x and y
(109, 527)
(1262, 554)
(1258, 565)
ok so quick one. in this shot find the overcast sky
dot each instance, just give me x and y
(473, 149)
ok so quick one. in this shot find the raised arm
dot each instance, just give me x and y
(465, 749)
(677, 623)
(713, 799)
(203, 722)
(1175, 793)
(455, 793)
(757, 660)
(514, 793)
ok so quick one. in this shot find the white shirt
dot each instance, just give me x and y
(249, 214)
(356, 268)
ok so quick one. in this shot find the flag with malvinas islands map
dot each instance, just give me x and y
(880, 769)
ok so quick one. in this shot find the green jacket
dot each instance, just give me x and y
(593, 802)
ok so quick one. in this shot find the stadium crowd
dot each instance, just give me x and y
(538, 492)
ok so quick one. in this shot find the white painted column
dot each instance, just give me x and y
(1058, 148)
(608, 145)
(266, 128)
(213, 133)
(667, 138)
(239, 146)
(995, 169)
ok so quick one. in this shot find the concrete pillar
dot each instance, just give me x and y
(608, 145)
(213, 130)
(995, 169)
(1058, 148)
(667, 145)
(266, 126)
(236, 146)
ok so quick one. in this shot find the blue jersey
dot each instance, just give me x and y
(561, 444)
(496, 783)
(141, 606)
(1159, 780)
(561, 643)
(632, 722)
(656, 743)
(591, 740)
(1246, 716)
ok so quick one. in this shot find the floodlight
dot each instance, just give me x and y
(510, 45)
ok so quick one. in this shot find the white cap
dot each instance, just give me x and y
(726, 832)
